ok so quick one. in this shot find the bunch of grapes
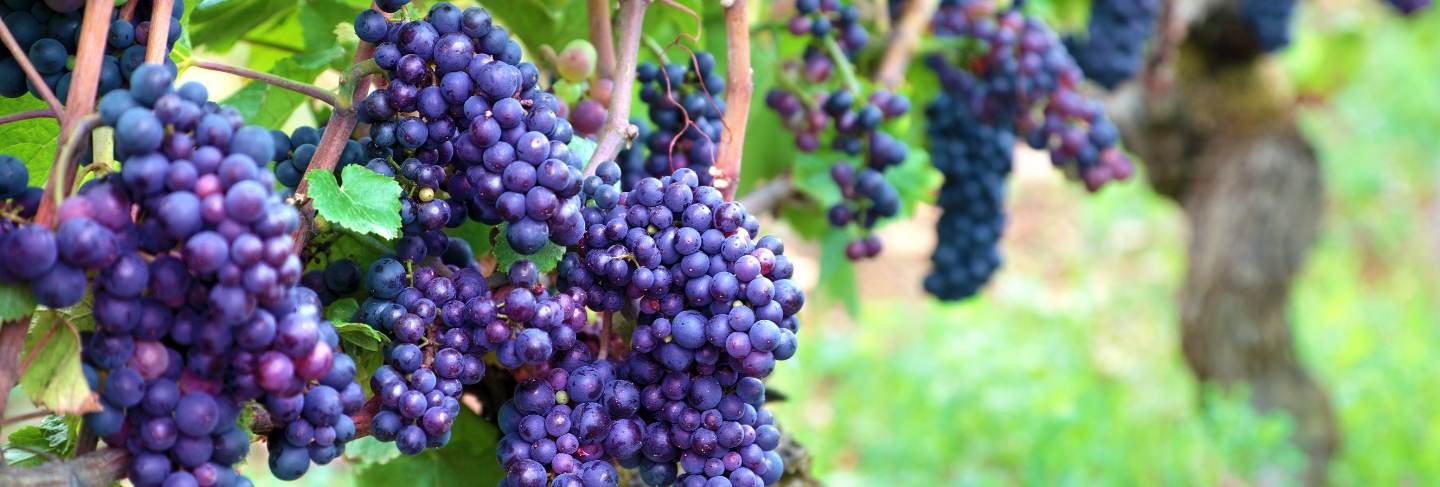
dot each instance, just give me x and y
(470, 131)
(715, 311)
(49, 31)
(1114, 48)
(196, 303)
(854, 129)
(1269, 21)
(685, 106)
(1023, 74)
(974, 154)
(1410, 7)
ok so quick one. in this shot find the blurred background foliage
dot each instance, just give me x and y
(1067, 370)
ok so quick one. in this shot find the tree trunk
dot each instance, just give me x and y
(1216, 129)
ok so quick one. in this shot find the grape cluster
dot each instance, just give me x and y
(715, 310)
(293, 154)
(975, 156)
(1410, 7)
(685, 106)
(196, 303)
(1269, 21)
(1114, 48)
(829, 18)
(468, 126)
(49, 31)
(339, 278)
(1022, 74)
(854, 127)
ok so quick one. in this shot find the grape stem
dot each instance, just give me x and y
(56, 187)
(30, 115)
(606, 319)
(903, 40)
(656, 49)
(842, 64)
(739, 86)
(27, 416)
(349, 82)
(89, 55)
(323, 95)
(617, 129)
(602, 37)
(30, 73)
(159, 46)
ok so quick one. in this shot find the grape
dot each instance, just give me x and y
(1269, 22)
(1114, 48)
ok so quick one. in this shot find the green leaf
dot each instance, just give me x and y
(582, 147)
(368, 451)
(545, 259)
(342, 310)
(54, 435)
(469, 459)
(31, 141)
(837, 273)
(477, 234)
(361, 336)
(15, 301)
(368, 203)
(54, 378)
(218, 24)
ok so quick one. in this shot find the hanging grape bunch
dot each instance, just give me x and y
(817, 104)
(471, 133)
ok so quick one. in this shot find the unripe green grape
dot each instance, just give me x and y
(577, 61)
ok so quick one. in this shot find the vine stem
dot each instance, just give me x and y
(842, 63)
(26, 417)
(337, 132)
(31, 74)
(159, 46)
(903, 40)
(739, 87)
(323, 95)
(602, 37)
(85, 79)
(617, 129)
(30, 115)
(606, 319)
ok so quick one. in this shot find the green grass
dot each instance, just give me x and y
(1068, 370)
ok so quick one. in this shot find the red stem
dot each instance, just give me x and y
(738, 89)
(32, 114)
(159, 46)
(903, 40)
(312, 91)
(617, 125)
(602, 37)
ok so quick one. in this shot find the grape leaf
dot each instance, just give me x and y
(545, 259)
(342, 310)
(582, 147)
(837, 273)
(268, 106)
(467, 460)
(474, 233)
(361, 336)
(367, 451)
(54, 435)
(218, 24)
(32, 141)
(54, 378)
(368, 203)
(15, 301)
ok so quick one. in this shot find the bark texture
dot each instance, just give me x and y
(1217, 131)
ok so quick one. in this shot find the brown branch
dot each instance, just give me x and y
(85, 79)
(332, 142)
(903, 41)
(30, 73)
(63, 171)
(769, 196)
(26, 417)
(97, 468)
(32, 114)
(738, 88)
(602, 37)
(158, 47)
(617, 129)
(606, 319)
(127, 12)
(312, 91)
